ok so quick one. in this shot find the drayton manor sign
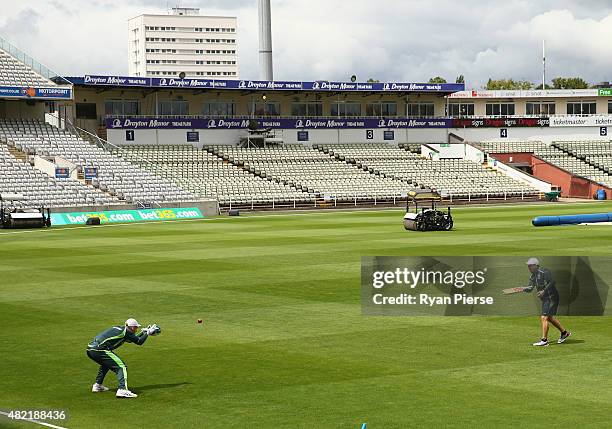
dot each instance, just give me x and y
(258, 85)
(280, 123)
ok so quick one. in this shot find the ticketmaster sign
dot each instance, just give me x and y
(127, 216)
(581, 121)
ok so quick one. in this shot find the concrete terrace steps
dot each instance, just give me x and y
(18, 154)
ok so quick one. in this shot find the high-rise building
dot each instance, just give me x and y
(183, 42)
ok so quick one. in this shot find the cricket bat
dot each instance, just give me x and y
(513, 290)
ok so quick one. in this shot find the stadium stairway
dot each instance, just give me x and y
(18, 154)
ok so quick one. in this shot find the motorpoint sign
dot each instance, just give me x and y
(60, 93)
(127, 216)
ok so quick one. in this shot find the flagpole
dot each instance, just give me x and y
(543, 64)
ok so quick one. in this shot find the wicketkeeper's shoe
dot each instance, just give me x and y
(564, 336)
(99, 388)
(542, 343)
(124, 393)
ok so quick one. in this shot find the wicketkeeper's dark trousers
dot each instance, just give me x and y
(109, 361)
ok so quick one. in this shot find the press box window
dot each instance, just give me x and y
(461, 109)
(306, 109)
(536, 108)
(381, 109)
(581, 108)
(500, 109)
(346, 109)
(421, 110)
(173, 107)
(121, 107)
(264, 109)
(219, 108)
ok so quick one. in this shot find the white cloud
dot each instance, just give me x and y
(411, 40)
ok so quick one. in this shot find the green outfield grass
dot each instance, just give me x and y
(283, 343)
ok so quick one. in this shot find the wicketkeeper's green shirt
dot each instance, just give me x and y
(115, 337)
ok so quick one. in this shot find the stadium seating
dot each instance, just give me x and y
(15, 73)
(411, 147)
(455, 177)
(41, 190)
(513, 147)
(205, 174)
(116, 176)
(311, 171)
(589, 159)
(597, 155)
(344, 173)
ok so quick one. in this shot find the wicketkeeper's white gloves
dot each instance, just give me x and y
(152, 329)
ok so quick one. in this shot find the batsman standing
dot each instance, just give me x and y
(542, 280)
(100, 350)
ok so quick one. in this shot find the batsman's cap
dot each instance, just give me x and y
(132, 322)
(533, 261)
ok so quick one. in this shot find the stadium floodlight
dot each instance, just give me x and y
(265, 40)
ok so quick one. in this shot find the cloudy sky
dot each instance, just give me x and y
(391, 40)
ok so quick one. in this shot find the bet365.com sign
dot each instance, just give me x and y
(127, 216)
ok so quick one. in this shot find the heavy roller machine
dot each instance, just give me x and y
(13, 216)
(426, 219)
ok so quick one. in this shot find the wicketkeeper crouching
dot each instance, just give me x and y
(100, 350)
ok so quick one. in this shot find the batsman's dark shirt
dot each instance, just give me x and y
(115, 337)
(542, 280)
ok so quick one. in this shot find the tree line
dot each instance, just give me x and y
(512, 84)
